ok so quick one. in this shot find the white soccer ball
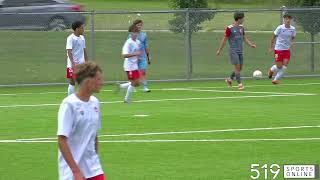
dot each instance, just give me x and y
(257, 74)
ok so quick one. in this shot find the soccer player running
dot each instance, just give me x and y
(76, 52)
(144, 58)
(285, 35)
(235, 35)
(131, 52)
(79, 120)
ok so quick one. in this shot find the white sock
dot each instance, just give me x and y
(71, 89)
(280, 73)
(274, 68)
(129, 92)
(125, 85)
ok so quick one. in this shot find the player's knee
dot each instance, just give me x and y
(72, 82)
(135, 83)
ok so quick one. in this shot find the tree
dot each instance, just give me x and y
(309, 20)
(178, 24)
(189, 22)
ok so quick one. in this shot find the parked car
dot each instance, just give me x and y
(17, 14)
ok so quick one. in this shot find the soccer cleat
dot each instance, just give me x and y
(270, 73)
(241, 87)
(127, 101)
(146, 90)
(275, 82)
(229, 82)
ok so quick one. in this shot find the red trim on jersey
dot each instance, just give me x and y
(99, 177)
(228, 32)
(280, 55)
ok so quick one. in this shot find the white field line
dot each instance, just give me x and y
(222, 91)
(206, 87)
(164, 100)
(186, 132)
(173, 140)
(39, 93)
(258, 85)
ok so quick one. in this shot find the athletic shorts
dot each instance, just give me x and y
(70, 73)
(99, 177)
(142, 64)
(280, 55)
(133, 75)
(236, 58)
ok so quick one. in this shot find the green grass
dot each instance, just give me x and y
(170, 160)
(40, 57)
(267, 20)
(163, 4)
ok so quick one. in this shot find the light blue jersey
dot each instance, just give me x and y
(143, 38)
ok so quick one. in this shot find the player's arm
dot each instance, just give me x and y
(148, 55)
(136, 53)
(222, 44)
(127, 52)
(272, 42)
(248, 42)
(147, 49)
(96, 144)
(227, 34)
(85, 54)
(67, 155)
(70, 55)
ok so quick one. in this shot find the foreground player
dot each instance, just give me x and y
(235, 35)
(79, 120)
(144, 58)
(285, 35)
(131, 51)
(76, 52)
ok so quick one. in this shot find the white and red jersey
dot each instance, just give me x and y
(284, 36)
(129, 47)
(80, 121)
(77, 44)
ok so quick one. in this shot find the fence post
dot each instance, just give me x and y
(282, 13)
(188, 45)
(92, 50)
(312, 53)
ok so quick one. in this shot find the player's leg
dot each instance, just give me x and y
(274, 69)
(279, 65)
(238, 68)
(134, 78)
(71, 81)
(234, 59)
(143, 74)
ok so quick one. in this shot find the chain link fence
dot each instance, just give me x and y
(36, 55)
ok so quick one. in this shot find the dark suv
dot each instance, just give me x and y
(27, 14)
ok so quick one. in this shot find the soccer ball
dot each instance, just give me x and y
(257, 74)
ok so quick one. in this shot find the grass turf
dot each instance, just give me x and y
(217, 107)
(41, 56)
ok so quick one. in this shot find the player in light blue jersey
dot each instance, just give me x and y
(144, 59)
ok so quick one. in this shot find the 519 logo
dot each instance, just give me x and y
(265, 171)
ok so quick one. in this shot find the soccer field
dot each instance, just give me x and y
(180, 131)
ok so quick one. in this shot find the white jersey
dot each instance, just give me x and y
(79, 121)
(77, 44)
(129, 47)
(284, 36)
